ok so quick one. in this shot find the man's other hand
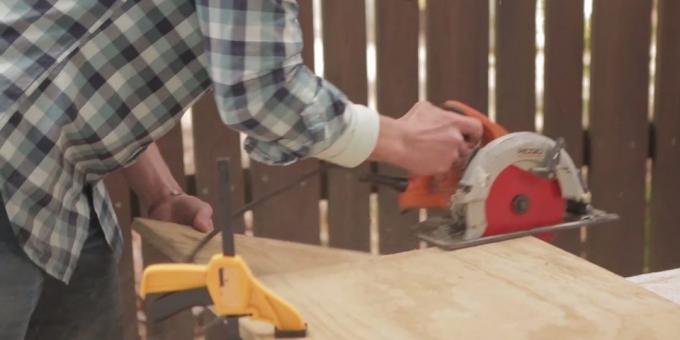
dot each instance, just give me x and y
(427, 140)
(158, 191)
(184, 209)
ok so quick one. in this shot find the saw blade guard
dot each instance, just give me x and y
(523, 150)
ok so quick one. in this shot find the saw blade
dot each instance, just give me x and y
(520, 200)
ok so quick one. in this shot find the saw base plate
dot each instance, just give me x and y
(445, 234)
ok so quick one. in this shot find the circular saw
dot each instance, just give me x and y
(515, 184)
(519, 184)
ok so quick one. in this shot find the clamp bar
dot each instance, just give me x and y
(228, 248)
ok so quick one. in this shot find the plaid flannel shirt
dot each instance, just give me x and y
(86, 85)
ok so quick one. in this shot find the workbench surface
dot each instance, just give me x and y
(517, 289)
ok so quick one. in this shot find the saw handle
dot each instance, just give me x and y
(434, 192)
(490, 130)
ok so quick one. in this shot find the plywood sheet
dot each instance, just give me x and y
(518, 289)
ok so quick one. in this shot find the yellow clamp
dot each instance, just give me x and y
(232, 287)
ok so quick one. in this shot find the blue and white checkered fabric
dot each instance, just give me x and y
(86, 85)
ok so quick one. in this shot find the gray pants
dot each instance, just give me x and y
(34, 305)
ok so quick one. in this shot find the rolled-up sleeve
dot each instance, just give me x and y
(263, 89)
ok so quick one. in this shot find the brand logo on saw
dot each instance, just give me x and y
(530, 152)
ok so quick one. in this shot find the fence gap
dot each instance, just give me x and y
(317, 24)
(491, 77)
(646, 261)
(188, 142)
(422, 50)
(539, 65)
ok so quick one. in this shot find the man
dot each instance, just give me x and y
(86, 87)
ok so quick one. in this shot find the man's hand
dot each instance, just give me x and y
(161, 197)
(427, 140)
(183, 209)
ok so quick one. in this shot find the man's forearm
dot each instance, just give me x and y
(150, 178)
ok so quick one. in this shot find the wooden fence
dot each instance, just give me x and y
(631, 155)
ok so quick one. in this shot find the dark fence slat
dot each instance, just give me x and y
(515, 60)
(457, 39)
(120, 197)
(213, 140)
(397, 83)
(171, 148)
(344, 30)
(563, 105)
(665, 212)
(306, 19)
(458, 52)
(293, 215)
(619, 105)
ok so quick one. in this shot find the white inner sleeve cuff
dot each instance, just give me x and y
(357, 142)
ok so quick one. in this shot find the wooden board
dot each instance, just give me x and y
(563, 105)
(264, 256)
(619, 130)
(518, 289)
(458, 51)
(665, 211)
(213, 140)
(344, 31)
(515, 61)
(397, 83)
